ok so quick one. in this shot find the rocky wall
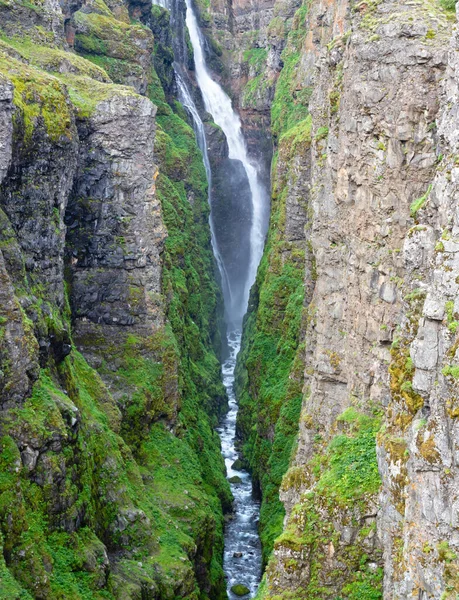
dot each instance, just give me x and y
(369, 479)
(112, 481)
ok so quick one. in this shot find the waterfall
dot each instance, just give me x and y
(242, 556)
(242, 561)
(187, 101)
(218, 104)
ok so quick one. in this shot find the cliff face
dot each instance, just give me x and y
(112, 481)
(369, 495)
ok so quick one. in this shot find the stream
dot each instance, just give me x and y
(242, 556)
(242, 561)
(242, 553)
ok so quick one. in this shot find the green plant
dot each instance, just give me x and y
(416, 205)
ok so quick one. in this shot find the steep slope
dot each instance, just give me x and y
(372, 467)
(112, 482)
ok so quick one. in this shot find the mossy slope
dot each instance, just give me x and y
(270, 366)
(104, 498)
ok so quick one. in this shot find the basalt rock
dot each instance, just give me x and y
(378, 90)
(95, 317)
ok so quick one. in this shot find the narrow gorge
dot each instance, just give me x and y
(229, 300)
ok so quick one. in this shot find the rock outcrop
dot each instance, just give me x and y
(369, 495)
(112, 480)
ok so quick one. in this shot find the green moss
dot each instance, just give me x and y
(254, 88)
(86, 93)
(448, 5)
(54, 60)
(124, 481)
(39, 99)
(401, 372)
(269, 373)
(451, 371)
(291, 98)
(451, 317)
(321, 133)
(256, 57)
(342, 478)
(416, 205)
(240, 590)
(108, 36)
(352, 469)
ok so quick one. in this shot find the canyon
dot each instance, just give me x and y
(229, 299)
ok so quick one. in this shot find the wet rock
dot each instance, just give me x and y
(235, 479)
(240, 590)
(237, 554)
(237, 465)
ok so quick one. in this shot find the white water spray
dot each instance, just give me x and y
(218, 104)
(187, 101)
(242, 555)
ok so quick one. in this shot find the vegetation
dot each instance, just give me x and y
(449, 5)
(417, 204)
(140, 477)
(291, 98)
(269, 373)
(342, 479)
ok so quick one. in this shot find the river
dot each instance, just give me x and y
(242, 557)
(242, 553)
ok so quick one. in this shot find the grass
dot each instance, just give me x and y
(417, 204)
(342, 479)
(290, 104)
(269, 374)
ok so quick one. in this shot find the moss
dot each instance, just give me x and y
(451, 371)
(240, 590)
(108, 36)
(269, 373)
(291, 98)
(321, 133)
(448, 5)
(334, 568)
(54, 60)
(401, 372)
(352, 471)
(428, 449)
(277, 28)
(451, 317)
(39, 99)
(10, 589)
(142, 477)
(256, 57)
(254, 89)
(417, 204)
(86, 93)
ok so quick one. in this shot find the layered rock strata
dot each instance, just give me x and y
(369, 495)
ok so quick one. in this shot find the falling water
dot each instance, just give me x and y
(187, 101)
(242, 554)
(218, 104)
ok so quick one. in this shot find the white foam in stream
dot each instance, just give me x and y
(241, 533)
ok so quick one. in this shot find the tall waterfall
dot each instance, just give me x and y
(188, 103)
(218, 104)
(242, 560)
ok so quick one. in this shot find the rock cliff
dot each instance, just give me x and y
(112, 483)
(362, 119)
(111, 480)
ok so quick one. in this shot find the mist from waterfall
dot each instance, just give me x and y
(187, 101)
(218, 104)
(240, 229)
